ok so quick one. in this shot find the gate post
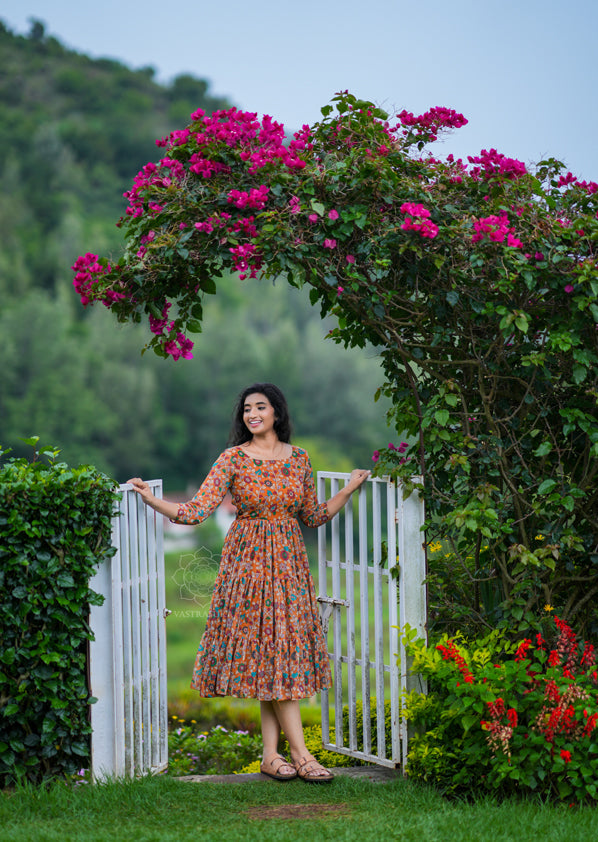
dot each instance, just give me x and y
(101, 673)
(412, 589)
(127, 657)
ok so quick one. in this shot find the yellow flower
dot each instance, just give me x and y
(539, 537)
(548, 607)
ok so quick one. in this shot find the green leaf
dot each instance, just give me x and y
(442, 417)
(468, 721)
(317, 207)
(208, 285)
(452, 297)
(546, 486)
(543, 449)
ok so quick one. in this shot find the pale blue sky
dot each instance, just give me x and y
(524, 72)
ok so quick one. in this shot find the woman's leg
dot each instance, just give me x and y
(288, 714)
(270, 730)
(270, 738)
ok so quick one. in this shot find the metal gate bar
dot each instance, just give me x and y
(128, 656)
(385, 523)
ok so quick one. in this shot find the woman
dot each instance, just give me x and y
(263, 637)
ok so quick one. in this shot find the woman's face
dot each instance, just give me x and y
(258, 414)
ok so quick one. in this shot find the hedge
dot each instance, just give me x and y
(55, 527)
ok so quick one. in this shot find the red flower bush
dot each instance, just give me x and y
(520, 721)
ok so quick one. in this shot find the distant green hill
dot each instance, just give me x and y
(73, 133)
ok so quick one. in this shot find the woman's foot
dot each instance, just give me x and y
(278, 768)
(311, 771)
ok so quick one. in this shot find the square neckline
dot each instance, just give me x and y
(254, 459)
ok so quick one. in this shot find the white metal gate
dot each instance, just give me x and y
(127, 659)
(371, 565)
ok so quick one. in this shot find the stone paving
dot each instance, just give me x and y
(375, 774)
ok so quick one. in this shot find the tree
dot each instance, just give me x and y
(476, 280)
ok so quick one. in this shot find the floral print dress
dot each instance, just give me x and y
(263, 637)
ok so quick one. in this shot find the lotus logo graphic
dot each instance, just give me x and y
(195, 575)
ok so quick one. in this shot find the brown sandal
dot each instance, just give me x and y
(275, 774)
(309, 773)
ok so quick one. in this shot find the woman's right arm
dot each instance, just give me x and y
(164, 507)
(207, 499)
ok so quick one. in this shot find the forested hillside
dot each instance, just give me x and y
(73, 133)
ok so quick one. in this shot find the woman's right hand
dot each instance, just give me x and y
(142, 488)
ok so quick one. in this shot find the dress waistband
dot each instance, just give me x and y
(273, 519)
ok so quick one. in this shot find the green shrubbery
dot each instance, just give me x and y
(55, 525)
(507, 717)
(217, 752)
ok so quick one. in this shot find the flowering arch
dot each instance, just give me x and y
(476, 280)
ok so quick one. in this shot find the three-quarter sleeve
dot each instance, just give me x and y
(211, 493)
(311, 512)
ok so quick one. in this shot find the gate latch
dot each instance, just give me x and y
(328, 607)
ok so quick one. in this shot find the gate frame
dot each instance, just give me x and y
(409, 609)
(127, 675)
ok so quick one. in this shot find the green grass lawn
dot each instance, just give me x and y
(166, 810)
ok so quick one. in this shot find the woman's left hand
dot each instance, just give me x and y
(357, 478)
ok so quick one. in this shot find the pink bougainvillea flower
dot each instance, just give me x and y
(569, 288)
(350, 258)
(333, 214)
(424, 227)
(494, 163)
(421, 221)
(496, 229)
(415, 209)
(313, 217)
(375, 455)
(329, 243)
(339, 289)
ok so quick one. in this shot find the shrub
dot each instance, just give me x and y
(507, 717)
(217, 752)
(55, 525)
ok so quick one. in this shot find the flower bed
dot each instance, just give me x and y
(508, 717)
